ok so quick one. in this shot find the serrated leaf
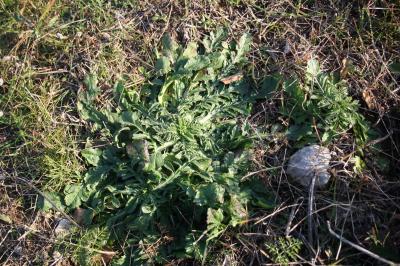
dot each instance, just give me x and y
(237, 210)
(119, 88)
(86, 99)
(74, 194)
(111, 202)
(50, 200)
(92, 156)
(215, 39)
(94, 175)
(169, 46)
(214, 217)
(242, 47)
(209, 195)
(194, 248)
(163, 65)
(92, 89)
(164, 94)
(215, 224)
(190, 51)
(326, 136)
(197, 63)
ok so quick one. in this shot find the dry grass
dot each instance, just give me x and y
(48, 47)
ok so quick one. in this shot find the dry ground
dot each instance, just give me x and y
(48, 47)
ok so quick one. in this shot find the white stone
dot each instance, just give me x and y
(60, 36)
(308, 162)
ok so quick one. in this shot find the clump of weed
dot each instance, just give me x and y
(320, 109)
(283, 250)
(176, 150)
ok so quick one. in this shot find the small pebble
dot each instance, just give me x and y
(60, 36)
(18, 251)
(63, 227)
(106, 36)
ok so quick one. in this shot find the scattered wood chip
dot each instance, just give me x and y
(231, 79)
(107, 256)
(346, 66)
(5, 218)
(369, 98)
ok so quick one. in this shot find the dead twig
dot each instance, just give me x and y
(359, 248)
(310, 211)
(295, 209)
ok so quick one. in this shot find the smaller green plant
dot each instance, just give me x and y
(321, 104)
(283, 250)
(86, 248)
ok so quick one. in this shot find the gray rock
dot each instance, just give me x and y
(63, 227)
(308, 162)
(18, 251)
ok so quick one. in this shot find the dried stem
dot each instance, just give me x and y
(359, 248)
